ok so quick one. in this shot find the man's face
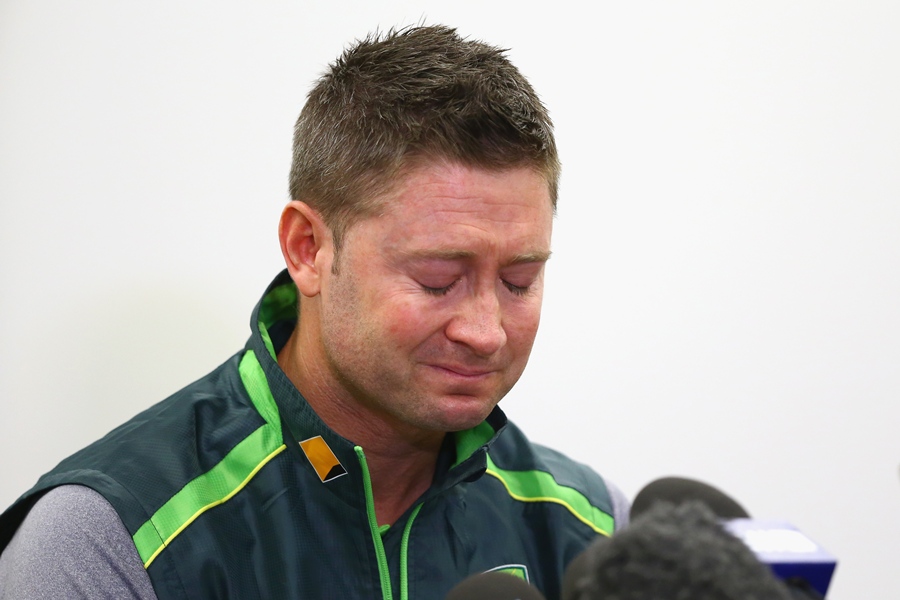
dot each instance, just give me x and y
(432, 313)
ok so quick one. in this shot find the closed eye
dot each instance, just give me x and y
(518, 290)
(439, 291)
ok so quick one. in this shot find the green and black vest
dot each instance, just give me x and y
(234, 488)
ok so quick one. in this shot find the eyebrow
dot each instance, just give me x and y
(438, 254)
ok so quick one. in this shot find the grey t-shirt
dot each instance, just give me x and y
(73, 545)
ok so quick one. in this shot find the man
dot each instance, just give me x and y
(353, 449)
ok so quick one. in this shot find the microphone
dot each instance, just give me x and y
(671, 552)
(494, 585)
(678, 490)
(802, 564)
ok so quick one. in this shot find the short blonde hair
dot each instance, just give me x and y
(416, 94)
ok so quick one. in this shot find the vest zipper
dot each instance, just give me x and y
(404, 554)
(383, 571)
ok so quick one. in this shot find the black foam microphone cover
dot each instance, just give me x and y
(671, 552)
(580, 567)
(804, 567)
(678, 490)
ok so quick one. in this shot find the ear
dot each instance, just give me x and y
(306, 244)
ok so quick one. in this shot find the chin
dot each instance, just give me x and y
(464, 412)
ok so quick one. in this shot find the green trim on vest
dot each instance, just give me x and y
(254, 379)
(538, 486)
(384, 573)
(279, 304)
(224, 480)
(404, 554)
(470, 440)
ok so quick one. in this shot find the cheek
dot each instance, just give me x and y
(521, 328)
(408, 322)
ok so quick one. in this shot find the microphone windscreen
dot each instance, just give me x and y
(580, 569)
(671, 552)
(678, 490)
(794, 558)
(494, 585)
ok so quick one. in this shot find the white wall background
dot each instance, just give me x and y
(724, 298)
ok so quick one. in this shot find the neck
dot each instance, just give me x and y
(401, 460)
(399, 477)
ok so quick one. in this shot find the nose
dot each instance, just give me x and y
(478, 323)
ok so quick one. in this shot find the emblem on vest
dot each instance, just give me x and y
(322, 459)
(520, 571)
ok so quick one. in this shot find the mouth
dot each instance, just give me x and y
(462, 371)
(483, 384)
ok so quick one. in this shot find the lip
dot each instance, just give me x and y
(463, 371)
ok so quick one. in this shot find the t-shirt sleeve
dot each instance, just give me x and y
(620, 504)
(72, 544)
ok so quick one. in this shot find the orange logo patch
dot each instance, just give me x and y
(322, 459)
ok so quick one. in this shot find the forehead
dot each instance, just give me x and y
(447, 188)
(449, 210)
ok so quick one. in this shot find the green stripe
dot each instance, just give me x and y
(279, 304)
(383, 571)
(404, 554)
(224, 480)
(470, 440)
(538, 486)
(254, 380)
